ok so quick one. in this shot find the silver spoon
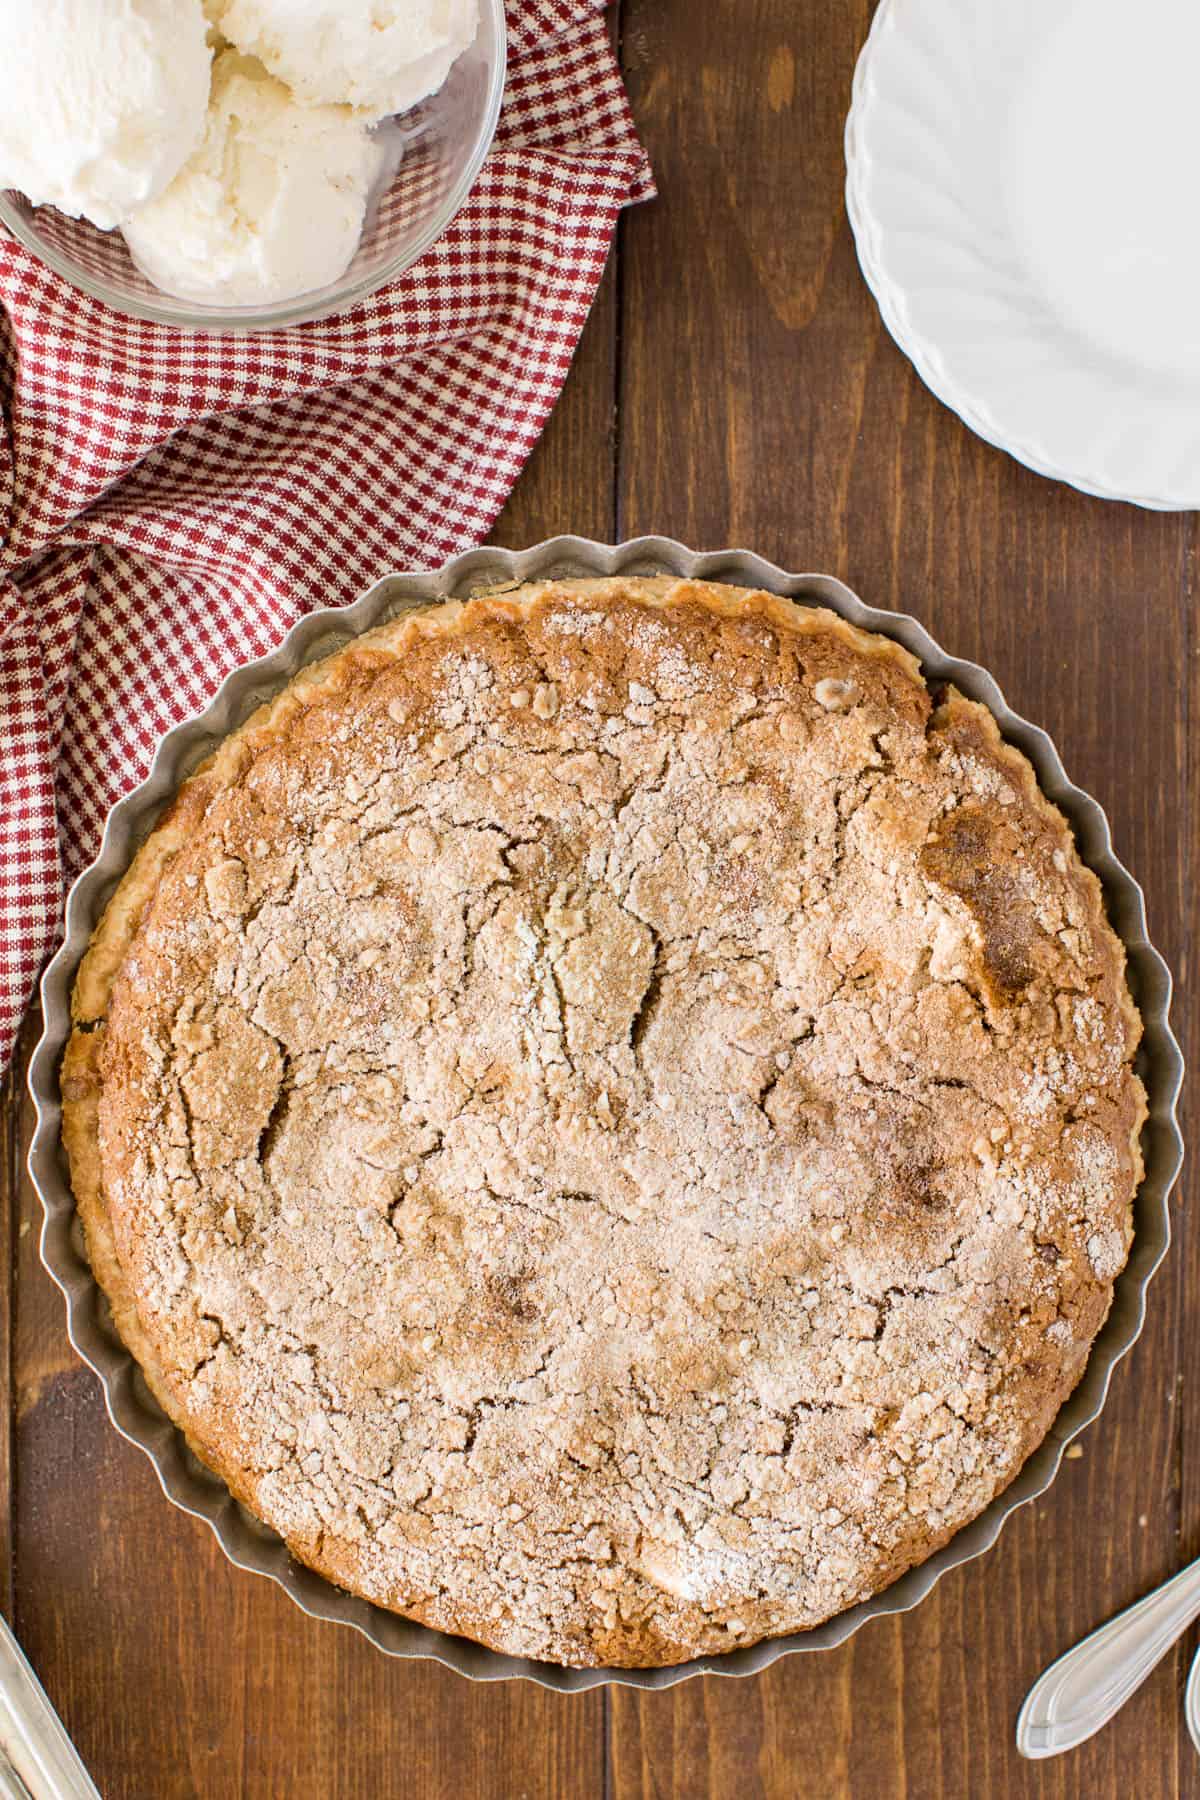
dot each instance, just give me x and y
(1191, 1701)
(37, 1759)
(1083, 1689)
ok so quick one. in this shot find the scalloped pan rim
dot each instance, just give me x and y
(185, 1481)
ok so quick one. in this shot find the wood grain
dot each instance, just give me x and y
(819, 447)
(735, 384)
(178, 1675)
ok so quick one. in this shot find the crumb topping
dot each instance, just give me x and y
(616, 1118)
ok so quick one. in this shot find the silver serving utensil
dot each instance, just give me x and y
(1083, 1689)
(38, 1761)
(1191, 1701)
(11, 1785)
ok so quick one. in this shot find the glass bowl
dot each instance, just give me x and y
(445, 140)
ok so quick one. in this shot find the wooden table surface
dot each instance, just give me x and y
(735, 386)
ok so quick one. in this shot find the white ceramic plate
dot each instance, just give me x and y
(1022, 187)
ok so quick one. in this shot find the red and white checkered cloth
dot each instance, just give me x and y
(171, 503)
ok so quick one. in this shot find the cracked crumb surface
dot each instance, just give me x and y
(607, 1115)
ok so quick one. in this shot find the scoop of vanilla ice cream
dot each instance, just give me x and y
(379, 56)
(271, 205)
(101, 102)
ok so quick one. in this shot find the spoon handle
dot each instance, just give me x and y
(1083, 1689)
(37, 1758)
(1191, 1701)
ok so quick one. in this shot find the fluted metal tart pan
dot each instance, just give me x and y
(136, 1415)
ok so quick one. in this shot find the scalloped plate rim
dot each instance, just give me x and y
(920, 350)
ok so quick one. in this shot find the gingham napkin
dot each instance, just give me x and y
(171, 503)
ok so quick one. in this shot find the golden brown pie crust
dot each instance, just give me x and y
(606, 1114)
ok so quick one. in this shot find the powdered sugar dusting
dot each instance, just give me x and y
(614, 1170)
